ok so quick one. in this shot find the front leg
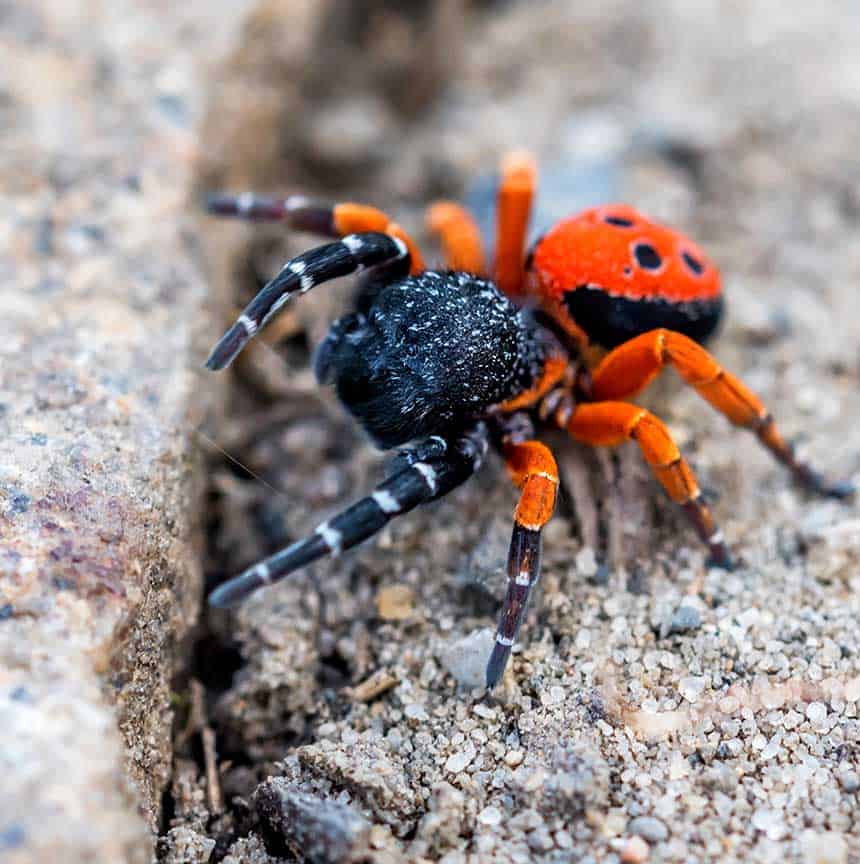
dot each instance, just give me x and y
(631, 367)
(533, 469)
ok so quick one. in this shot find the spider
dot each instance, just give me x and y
(442, 363)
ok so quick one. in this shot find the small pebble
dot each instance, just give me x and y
(685, 619)
(466, 659)
(691, 687)
(458, 762)
(769, 822)
(635, 851)
(816, 713)
(415, 711)
(649, 828)
(850, 781)
(852, 690)
(490, 816)
(586, 562)
(395, 602)
(514, 758)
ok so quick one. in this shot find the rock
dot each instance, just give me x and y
(649, 828)
(691, 687)
(321, 831)
(460, 760)
(184, 846)
(635, 851)
(395, 603)
(106, 317)
(685, 619)
(466, 659)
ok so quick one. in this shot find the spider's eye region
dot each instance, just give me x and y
(647, 257)
(619, 221)
(693, 263)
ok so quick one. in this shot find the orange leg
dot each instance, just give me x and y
(533, 469)
(606, 424)
(459, 235)
(355, 218)
(304, 214)
(512, 219)
(633, 365)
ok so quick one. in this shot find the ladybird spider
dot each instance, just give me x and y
(444, 362)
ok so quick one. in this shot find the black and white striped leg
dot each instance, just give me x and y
(297, 211)
(352, 254)
(418, 483)
(523, 574)
(432, 447)
(533, 468)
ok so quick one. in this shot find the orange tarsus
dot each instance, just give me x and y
(459, 235)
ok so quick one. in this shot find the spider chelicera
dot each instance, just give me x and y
(443, 363)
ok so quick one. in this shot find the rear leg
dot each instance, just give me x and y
(304, 214)
(404, 490)
(519, 178)
(459, 235)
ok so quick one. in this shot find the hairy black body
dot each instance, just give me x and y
(429, 355)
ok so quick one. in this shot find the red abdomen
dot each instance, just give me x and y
(612, 273)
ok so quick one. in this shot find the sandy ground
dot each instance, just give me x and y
(654, 710)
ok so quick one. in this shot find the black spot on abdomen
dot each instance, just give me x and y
(647, 257)
(693, 263)
(609, 320)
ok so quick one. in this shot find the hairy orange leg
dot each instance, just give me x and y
(533, 469)
(519, 176)
(304, 214)
(629, 368)
(459, 235)
(354, 218)
(608, 424)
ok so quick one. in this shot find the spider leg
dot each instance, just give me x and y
(403, 491)
(432, 447)
(512, 220)
(304, 214)
(459, 234)
(612, 423)
(353, 253)
(533, 469)
(632, 366)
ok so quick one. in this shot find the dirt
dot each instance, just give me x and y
(655, 709)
